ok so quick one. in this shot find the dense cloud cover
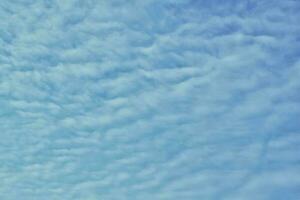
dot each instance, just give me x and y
(149, 99)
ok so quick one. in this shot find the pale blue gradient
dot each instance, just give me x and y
(149, 100)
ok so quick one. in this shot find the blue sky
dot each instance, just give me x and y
(149, 99)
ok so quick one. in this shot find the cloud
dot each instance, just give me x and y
(149, 99)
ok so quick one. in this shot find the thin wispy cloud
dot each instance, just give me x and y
(174, 99)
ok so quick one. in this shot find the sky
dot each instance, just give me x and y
(149, 99)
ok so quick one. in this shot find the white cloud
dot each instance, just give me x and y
(149, 99)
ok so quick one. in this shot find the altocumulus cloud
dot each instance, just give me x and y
(149, 99)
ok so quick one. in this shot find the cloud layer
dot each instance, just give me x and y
(174, 99)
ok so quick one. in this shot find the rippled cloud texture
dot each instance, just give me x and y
(149, 99)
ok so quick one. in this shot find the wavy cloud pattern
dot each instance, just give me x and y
(149, 99)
